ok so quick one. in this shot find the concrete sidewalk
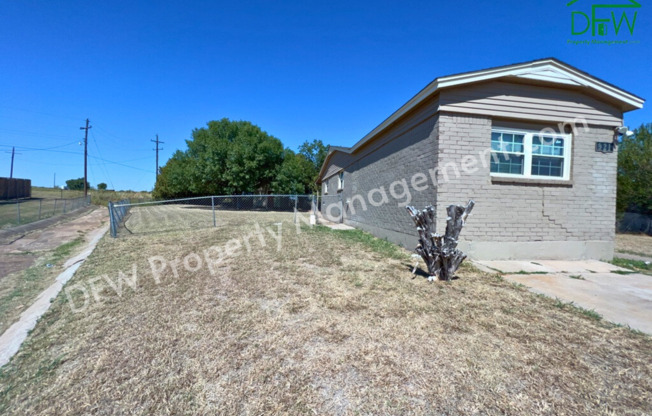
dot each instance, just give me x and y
(13, 337)
(615, 293)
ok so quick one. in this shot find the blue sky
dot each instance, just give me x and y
(300, 70)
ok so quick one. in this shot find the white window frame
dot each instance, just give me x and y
(340, 181)
(527, 153)
(325, 187)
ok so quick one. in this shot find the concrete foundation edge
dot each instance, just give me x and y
(501, 250)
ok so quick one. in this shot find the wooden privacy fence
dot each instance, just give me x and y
(11, 188)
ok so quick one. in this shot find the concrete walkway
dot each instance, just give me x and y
(621, 298)
(14, 336)
(335, 225)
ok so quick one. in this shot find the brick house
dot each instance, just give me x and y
(532, 143)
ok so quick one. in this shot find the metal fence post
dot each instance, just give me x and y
(40, 205)
(112, 220)
(213, 208)
(18, 209)
(296, 200)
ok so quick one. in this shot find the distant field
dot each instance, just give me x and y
(52, 193)
(48, 202)
(251, 317)
(25, 211)
(97, 197)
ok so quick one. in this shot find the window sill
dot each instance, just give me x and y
(501, 180)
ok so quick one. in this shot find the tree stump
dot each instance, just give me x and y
(440, 252)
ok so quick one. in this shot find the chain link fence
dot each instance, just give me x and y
(207, 211)
(632, 222)
(23, 211)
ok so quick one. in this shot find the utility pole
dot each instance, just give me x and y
(157, 141)
(13, 152)
(86, 157)
(11, 172)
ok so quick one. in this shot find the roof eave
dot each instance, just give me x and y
(627, 101)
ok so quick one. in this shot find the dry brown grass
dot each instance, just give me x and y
(98, 197)
(333, 323)
(155, 219)
(638, 244)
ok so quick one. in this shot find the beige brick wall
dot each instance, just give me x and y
(408, 148)
(583, 210)
(535, 220)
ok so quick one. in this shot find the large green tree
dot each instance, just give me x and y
(77, 184)
(295, 175)
(175, 178)
(315, 152)
(233, 157)
(635, 172)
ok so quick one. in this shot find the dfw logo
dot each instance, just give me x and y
(604, 18)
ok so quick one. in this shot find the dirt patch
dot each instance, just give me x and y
(20, 251)
(14, 262)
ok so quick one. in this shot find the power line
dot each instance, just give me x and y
(106, 171)
(119, 164)
(79, 153)
(107, 133)
(47, 149)
(32, 133)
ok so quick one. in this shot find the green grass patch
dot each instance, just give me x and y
(64, 250)
(570, 306)
(576, 276)
(637, 266)
(356, 236)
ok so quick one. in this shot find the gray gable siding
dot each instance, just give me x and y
(528, 102)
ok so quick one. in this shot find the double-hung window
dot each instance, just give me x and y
(340, 181)
(532, 155)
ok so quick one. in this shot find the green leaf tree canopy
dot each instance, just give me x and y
(635, 172)
(77, 184)
(315, 152)
(295, 175)
(234, 157)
